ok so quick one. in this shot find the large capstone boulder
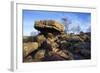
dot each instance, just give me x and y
(49, 26)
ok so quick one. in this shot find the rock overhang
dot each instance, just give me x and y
(49, 26)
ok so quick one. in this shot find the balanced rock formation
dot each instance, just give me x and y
(46, 45)
(53, 44)
(49, 26)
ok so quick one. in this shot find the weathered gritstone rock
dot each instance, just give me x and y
(28, 59)
(39, 55)
(63, 53)
(29, 48)
(40, 39)
(49, 26)
(58, 54)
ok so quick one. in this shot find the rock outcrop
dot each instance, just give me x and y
(53, 44)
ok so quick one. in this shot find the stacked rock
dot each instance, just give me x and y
(48, 48)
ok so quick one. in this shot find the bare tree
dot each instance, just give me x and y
(66, 23)
(76, 29)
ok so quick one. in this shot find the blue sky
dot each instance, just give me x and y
(76, 18)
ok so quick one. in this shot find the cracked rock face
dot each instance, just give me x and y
(49, 26)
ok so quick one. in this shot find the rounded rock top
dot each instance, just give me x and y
(49, 26)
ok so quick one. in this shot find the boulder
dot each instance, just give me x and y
(49, 26)
(39, 55)
(40, 39)
(65, 54)
(29, 48)
(28, 59)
